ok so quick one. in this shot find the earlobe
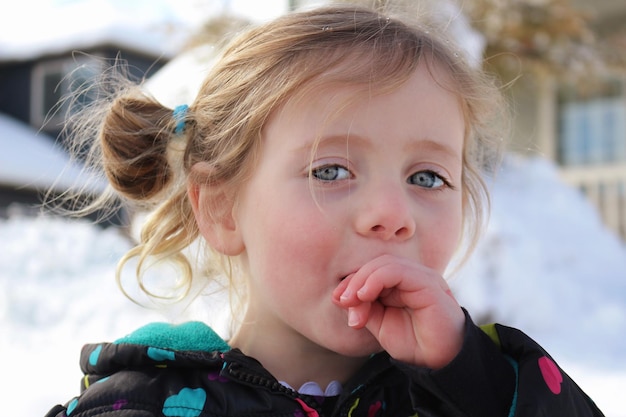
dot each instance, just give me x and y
(213, 209)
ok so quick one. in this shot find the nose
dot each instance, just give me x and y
(385, 213)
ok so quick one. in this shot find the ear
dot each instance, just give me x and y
(213, 208)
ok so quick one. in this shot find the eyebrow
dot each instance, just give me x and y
(433, 146)
(418, 145)
(329, 140)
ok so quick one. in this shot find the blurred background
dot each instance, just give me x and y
(552, 260)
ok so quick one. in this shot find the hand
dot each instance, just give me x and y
(408, 308)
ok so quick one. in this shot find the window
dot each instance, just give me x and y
(593, 127)
(52, 82)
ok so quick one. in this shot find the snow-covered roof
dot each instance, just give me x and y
(37, 28)
(33, 28)
(31, 160)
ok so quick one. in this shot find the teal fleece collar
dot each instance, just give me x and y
(193, 335)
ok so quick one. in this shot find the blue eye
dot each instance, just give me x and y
(427, 179)
(330, 173)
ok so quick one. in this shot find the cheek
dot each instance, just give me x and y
(287, 234)
(440, 239)
(305, 237)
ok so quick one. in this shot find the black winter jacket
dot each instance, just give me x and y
(189, 371)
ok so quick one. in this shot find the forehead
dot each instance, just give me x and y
(340, 89)
(357, 78)
(420, 107)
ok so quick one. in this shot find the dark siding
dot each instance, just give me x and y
(29, 200)
(15, 79)
(139, 65)
(30, 203)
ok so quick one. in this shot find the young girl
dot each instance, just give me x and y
(332, 159)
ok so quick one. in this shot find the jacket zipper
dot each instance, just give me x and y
(235, 371)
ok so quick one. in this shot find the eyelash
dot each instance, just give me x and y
(320, 169)
(445, 182)
(316, 171)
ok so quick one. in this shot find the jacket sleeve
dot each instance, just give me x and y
(500, 372)
(543, 388)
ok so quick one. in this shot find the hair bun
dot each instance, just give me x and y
(134, 141)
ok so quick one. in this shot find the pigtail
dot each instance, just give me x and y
(122, 138)
(143, 144)
(131, 148)
(134, 140)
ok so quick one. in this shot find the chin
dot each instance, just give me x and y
(359, 345)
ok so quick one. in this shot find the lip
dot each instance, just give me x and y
(343, 277)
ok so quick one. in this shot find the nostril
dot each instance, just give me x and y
(402, 231)
(385, 233)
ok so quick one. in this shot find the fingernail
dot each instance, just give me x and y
(353, 318)
(346, 295)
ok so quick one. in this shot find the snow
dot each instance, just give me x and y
(48, 27)
(158, 27)
(32, 160)
(545, 264)
(548, 266)
(189, 69)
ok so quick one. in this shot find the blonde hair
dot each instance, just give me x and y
(148, 165)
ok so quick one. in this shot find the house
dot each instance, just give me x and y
(581, 123)
(36, 72)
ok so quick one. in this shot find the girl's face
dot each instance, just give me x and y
(385, 179)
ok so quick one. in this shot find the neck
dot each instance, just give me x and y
(292, 358)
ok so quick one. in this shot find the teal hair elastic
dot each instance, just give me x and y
(180, 112)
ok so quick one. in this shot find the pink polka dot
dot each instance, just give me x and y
(215, 376)
(374, 409)
(119, 404)
(551, 374)
(310, 412)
